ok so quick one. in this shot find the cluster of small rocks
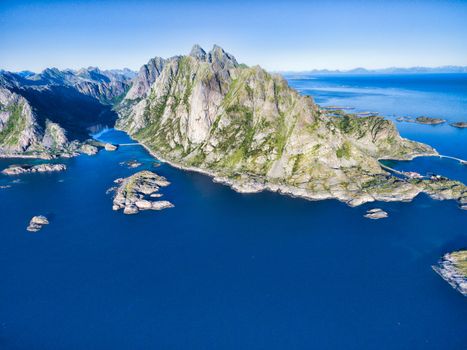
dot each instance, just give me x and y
(131, 164)
(36, 223)
(135, 192)
(39, 168)
(375, 214)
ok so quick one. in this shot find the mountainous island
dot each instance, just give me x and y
(206, 112)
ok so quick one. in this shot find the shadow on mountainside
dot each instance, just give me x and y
(77, 113)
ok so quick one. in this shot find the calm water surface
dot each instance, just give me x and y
(224, 270)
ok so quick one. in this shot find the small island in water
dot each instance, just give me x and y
(453, 268)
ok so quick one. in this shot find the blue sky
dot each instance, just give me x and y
(278, 35)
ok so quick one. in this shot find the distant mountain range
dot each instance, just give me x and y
(391, 70)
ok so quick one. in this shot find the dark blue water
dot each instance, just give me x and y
(221, 270)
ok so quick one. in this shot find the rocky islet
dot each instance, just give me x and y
(39, 168)
(36, 223)
(136, 193)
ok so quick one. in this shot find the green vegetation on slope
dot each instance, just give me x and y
(15, 124)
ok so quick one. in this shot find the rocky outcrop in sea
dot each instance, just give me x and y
(137, 192)
(460, 125)
(36, 223)
(39, 168)
(453, 269)
(376, 213)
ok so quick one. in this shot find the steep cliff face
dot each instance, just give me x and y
(250, 129)
(18, 127)
(20, 134)
(145, 78)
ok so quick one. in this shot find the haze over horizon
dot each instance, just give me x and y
(279, 36)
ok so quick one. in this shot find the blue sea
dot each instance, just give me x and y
(223, 270)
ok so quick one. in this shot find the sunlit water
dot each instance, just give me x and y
(224, 270)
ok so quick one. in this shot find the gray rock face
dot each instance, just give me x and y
(54, 136)
(135, 193)
(198, 53)
(36, 223)
(40, 168)
(145, 78)
(19, 130)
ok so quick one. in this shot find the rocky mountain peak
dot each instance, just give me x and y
(147, 75)
(221, 59)
(198, 53)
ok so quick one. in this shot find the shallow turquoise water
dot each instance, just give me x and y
(222, 270)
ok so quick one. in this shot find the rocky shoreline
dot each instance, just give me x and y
(136, 193)
(406, 193)
(39, 168)
(453, 269)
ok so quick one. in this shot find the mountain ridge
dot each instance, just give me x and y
(389, 70)
(44, 114)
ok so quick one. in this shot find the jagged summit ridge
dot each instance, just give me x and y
(216, 56)
(198, 52)
(149, 72)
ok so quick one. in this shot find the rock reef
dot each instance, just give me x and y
(460, 125)
(453, 269)
(36, 223)
(39, 168)
(136, 192)
(376, 213)
(422, 120)
(131, 164)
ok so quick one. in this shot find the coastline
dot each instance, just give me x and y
(251, 186)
